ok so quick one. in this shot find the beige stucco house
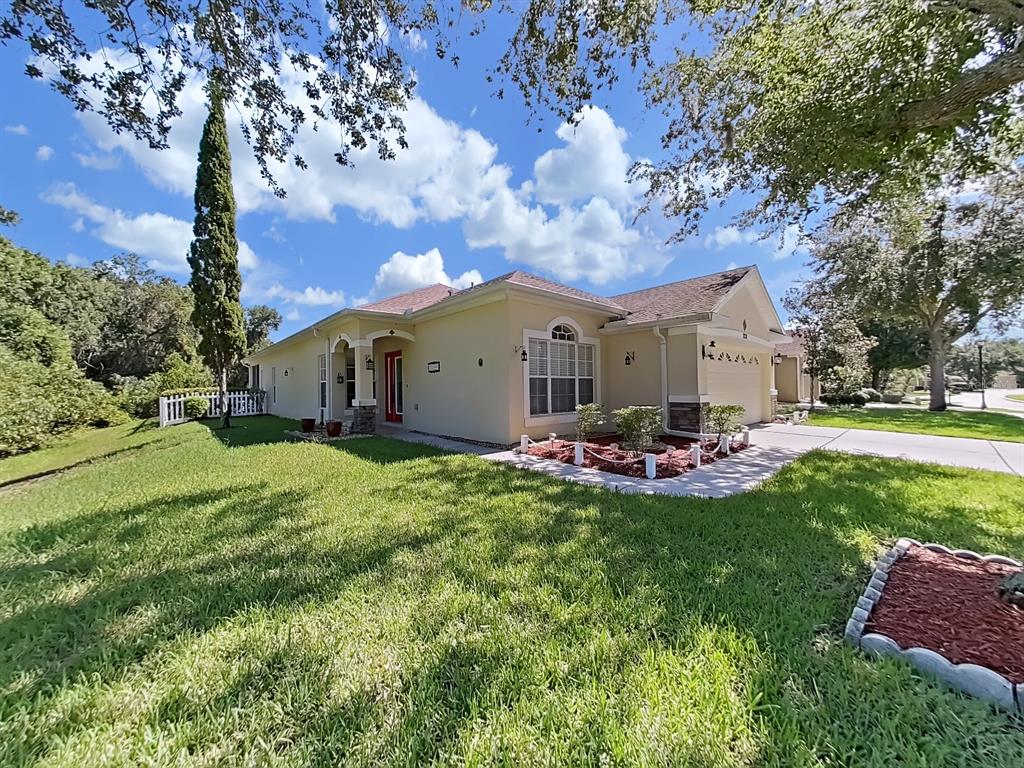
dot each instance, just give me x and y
(516, 354)
(793, 385)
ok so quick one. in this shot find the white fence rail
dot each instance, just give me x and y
(242, 403)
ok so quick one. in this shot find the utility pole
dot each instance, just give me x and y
(981, 377)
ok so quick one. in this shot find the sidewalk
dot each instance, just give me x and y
(951, 451)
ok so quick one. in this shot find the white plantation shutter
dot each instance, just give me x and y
(561, 372)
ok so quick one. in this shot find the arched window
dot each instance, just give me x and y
(561, 372)
(563, 333)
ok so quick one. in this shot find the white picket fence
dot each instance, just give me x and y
(243, 403)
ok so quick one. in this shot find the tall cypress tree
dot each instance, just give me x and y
(213, 256)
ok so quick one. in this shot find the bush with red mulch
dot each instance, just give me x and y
(666, 464)
(951, 605)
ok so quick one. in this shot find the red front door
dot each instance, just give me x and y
(393, 386)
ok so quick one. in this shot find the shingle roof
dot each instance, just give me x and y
(686, 297)
(410, 301)
(528, 280)
(791, 348)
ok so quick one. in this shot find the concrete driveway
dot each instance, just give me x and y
(950, 451)
(994, 398)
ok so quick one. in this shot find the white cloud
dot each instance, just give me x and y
(448, 173)
(403, 272)
(724, 237)
(313, 296)
(98, 162)
(44, 153)
(415, 40)
(17, 130)
(292, 315)
(163, 240)
(78, 225)
(781, 246)
(591, 164)
(592, 243)
(74, 260)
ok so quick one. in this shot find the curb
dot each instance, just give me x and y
(980, 682)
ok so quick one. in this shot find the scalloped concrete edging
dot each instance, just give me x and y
(978, 681)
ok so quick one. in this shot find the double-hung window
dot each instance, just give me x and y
(561, 372)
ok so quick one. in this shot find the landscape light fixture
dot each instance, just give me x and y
(630, 357)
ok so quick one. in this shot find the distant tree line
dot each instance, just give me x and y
(83, 346)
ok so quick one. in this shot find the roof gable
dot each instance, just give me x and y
(685, 297)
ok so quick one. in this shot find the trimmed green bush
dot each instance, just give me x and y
(588, 417)
(196, 407)
(872, 395)
(855, 399)
(725, 419)
(638, 425)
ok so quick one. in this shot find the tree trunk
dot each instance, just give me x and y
(876, 379)
(225, 410)
(937, 369)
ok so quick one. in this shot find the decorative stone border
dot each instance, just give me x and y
(978, 681)
(321, 437)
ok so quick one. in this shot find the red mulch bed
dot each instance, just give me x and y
(665, 465)
(951, 605)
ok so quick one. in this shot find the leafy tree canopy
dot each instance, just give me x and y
(790, 100)
(938, 263)
(802, 104)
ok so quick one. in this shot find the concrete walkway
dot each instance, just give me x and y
(736, 474)
(950, 451)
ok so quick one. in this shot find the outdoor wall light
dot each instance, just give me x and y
(369, 363)
(711, 344)
(341, 378)
(630, 357)
(777, 359)
(521, 350)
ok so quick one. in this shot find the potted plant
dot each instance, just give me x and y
(308, 425)
(333, 428)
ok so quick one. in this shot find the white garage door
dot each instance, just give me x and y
(736, 382)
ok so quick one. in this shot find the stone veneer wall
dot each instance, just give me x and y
(774, 406)
(687, 417)
(364, 420)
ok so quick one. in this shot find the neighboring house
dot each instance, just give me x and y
(793, 385)
(516, 354)
(1005, 380)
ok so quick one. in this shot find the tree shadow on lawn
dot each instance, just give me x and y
(775, 571)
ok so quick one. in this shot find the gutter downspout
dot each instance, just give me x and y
(663, 343)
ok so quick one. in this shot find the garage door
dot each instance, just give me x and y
(734, 379)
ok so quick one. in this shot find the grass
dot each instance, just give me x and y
(228, 598)
(976, 424)
(79, 448)
(1016, 398)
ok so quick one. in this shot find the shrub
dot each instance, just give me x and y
(872, 395)
(138, 397)
(638, 425)
(892, 398)
(38, 402)
(179, 373)
(855, 399)
(587, 419)
(196, 407)
(725, 419)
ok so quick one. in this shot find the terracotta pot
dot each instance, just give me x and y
(333, 428)
(308, 425)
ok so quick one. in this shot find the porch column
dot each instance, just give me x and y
(364, 377)
(330, 377)
(364, 407)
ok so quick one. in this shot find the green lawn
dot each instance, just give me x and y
(1016, 398)
(78, 448)
(214, 600)
(977, 424)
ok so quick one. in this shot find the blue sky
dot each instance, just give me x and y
(482, 190)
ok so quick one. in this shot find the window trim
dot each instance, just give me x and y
(545, 335)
